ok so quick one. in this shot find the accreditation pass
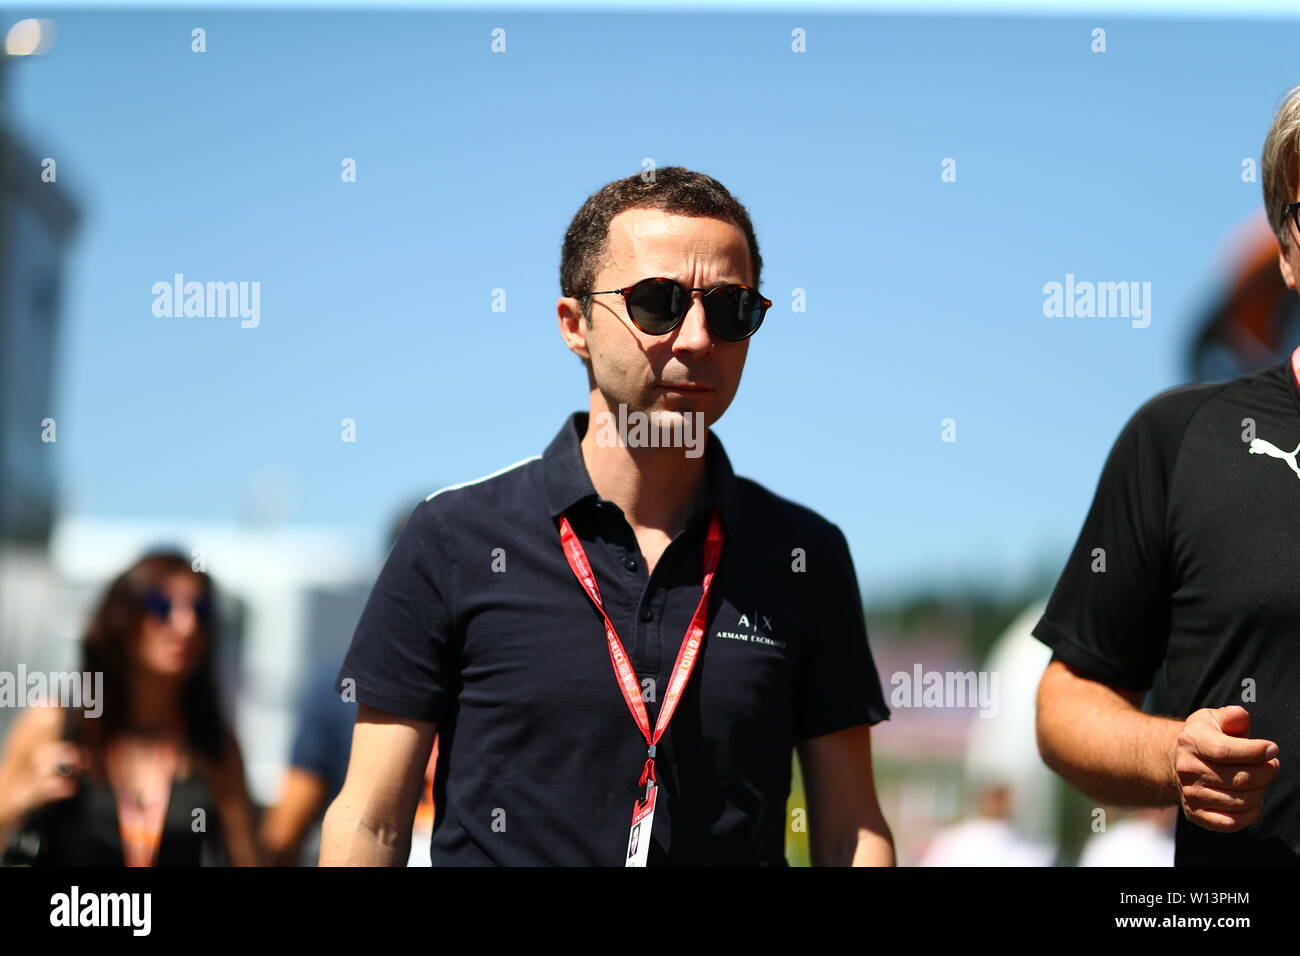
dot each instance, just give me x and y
(643, 818)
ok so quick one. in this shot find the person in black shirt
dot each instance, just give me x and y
(1189, 559)
(543, 619)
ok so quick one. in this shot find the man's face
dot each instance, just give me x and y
(688, 369)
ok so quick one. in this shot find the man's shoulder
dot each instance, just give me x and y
(1176, 406)
(1172, 408)
(775, 511)
(1164, 418)
(485, 496)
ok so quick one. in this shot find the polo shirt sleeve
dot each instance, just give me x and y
(1108, 616)
(837, 685)
(403, 658)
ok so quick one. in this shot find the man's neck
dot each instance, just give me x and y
(656, 488)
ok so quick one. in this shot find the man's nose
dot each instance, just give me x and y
(693, 334)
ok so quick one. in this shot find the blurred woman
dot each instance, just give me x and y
(157, 778)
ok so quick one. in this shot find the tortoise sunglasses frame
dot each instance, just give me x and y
(677, 319)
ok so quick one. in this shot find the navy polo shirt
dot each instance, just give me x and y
(477, 622)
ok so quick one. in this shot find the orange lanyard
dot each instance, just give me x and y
(143, 789)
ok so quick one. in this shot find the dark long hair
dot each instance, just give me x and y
(115, 622)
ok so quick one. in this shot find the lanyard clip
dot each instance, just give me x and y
(647, 781)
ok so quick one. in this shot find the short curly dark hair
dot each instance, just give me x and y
(674, 189)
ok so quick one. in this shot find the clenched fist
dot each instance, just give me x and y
(1221, 774)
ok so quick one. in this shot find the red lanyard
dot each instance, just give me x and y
(627, 681)
(1295, 364)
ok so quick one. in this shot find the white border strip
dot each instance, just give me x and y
(1235, 9)
(475, 481)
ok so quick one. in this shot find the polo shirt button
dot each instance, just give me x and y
(647, 614)
(629, 563)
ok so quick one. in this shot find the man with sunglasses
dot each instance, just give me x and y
(620, 643)
(1189, 559)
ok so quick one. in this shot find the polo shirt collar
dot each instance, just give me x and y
(568, 483)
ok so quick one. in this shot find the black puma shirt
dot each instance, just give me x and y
(478, 623)
(1190, 557)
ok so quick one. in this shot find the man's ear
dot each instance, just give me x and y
(1284, 264)
(573, 327)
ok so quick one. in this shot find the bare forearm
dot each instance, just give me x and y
(846, 825)
(369, 823)
(1105, 746)
(870, 844)
(350, 837)
(874, 849)
(285, 825)
(241, 844)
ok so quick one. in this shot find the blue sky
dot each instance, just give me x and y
(924, 297)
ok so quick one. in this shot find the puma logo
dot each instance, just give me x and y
(1260, 447)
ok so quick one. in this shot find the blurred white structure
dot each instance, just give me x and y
(1004, 748)
(1142, 837)
(38, 224)
(985, 843)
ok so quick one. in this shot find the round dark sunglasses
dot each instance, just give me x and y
(159, 605)
(657, 305)
(1292, 211)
